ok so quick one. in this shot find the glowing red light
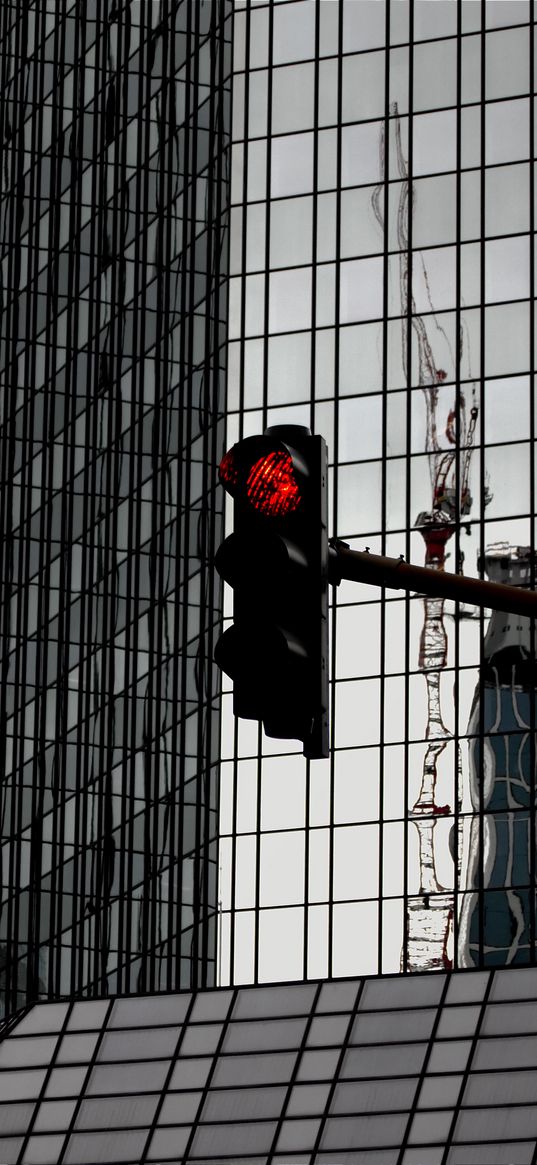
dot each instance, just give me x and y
(228, 471)
(272, 487)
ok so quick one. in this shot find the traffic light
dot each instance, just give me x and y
(276, 560)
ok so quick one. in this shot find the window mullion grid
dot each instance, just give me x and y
(165, 1087)
(468, 1068)
(337, 1072)
(294, 1075)
(82, 1096)
(415, 1104)
(205, 1091)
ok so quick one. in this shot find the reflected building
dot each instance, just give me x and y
(497, 924)
(114, 227)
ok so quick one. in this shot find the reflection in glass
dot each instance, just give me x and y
(451, 419)
(497, 915)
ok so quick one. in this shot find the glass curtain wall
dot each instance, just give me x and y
(114, 225)
(381, 290)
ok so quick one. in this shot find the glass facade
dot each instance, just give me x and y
(381, 291)
(435, 1069)
(114, 232)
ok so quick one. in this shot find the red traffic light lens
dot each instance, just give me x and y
(272, 487)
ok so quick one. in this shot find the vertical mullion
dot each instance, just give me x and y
(242, 401)
(266, 304)
(480, 750)
(532, 580)
(408, 467)
(385, 177)
(457, 824)
(337, 315)
(313, 345)
(181, 627)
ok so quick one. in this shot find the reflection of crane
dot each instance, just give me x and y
(449, 446)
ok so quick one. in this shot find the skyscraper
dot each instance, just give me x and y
(115, 192)
(381, 288)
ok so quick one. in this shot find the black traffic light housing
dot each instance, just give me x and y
(276, 560)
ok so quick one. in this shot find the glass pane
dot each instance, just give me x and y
(375, 1096)
(66, 1082)
(337, 996)
(243, 1037)
(367, 1132)
(231, 1070)
(77, 1048)
(246, 1103)
(127, 1077)
(93, 1148)
(19, 1085)
(190, 1073)
(168, 1143)
(153, 1010)
(131, 1045)
(41, 1150)
(119, 1112)
(14, 1118)
(384, 1061)
(39, 1050)
(90, 1014)
(180, 1108)
(54, 1114)
(392, 1026)
(210, 1005)
(200, 1039)
(240, 1138)
(48, 1017)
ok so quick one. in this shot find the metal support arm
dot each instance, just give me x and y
(395, 573)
